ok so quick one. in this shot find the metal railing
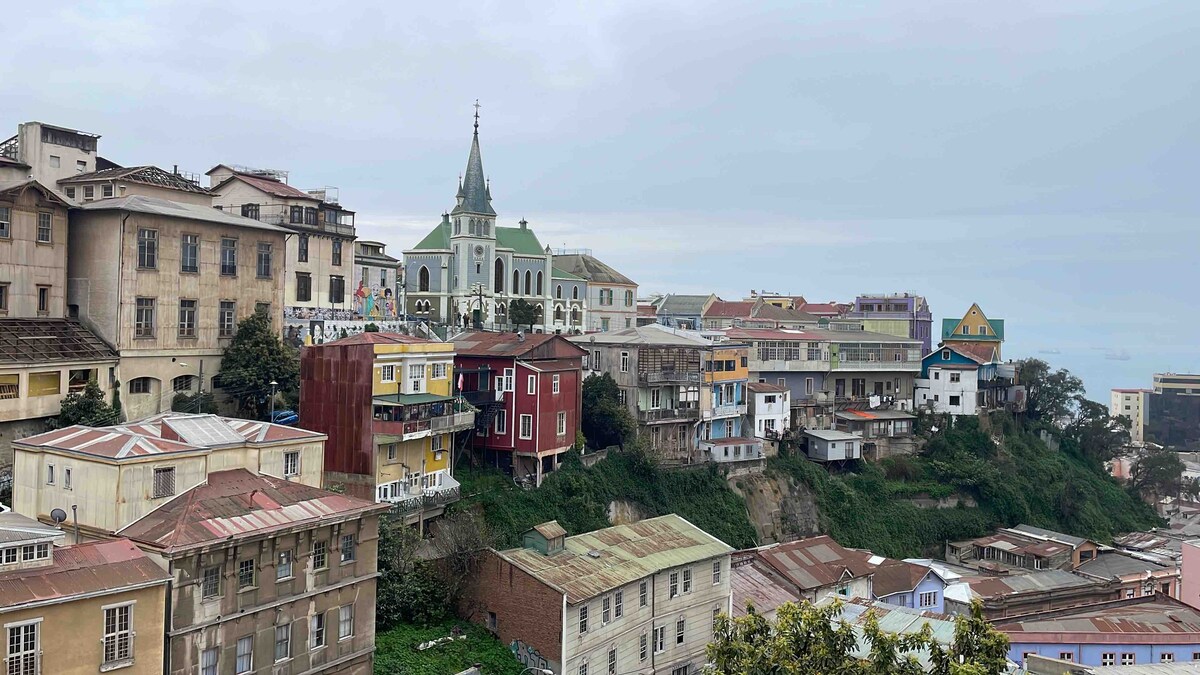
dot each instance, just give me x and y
(665, 414)
(669, 376)
(728, 410)
(453, 422)
(408, 504)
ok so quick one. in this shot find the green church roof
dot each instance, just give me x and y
(521, 240)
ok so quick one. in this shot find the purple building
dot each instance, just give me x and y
(899, 314)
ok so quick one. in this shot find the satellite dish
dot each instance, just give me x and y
(58, 516)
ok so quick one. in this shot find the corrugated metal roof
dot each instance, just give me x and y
(50, 340)
(1147, 616)
(816, 561)
(596, 562)
(163, 207)
(893, 620)
(94, 567)
(759, 587)
(1034, 582)
(15, 527)
(588, 267)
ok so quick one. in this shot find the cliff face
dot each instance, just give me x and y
(779, 507)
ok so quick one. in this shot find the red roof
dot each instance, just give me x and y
(108, 566)
(240, 504)
(372, 338)
(816, 561)
(822, 308)
(722, 308)
(646, 310)
(482, 343)
(982, 352)
(272, 187)
(897, 576)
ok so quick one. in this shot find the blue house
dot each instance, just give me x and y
(907, 584)
(683, 311)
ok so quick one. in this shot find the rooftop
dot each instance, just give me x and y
(50, 340)
(868, 415)
(652, 334)
(162, 207)
(759, 587)
(1147, 617)
(521, 240)
(481, 343)
(893, 620)
(815, 335)
(1034, 582)
(268, 185)
(815, 562)
(238, 503)
(94, 568)
(831, 435)
(587, 267)
(596, 562)
(898, 576)
(765, 388)
(373, 338)
(1114, 564)
(687, 305)
(147, 175)
(15, 527)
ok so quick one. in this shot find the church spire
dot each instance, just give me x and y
(475, 196)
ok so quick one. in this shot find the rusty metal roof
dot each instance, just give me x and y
(109, 442)
(761, 588)
(240, 504)
(50, 340)
(95, 567)
(1147, 617)
(816, 561)
(550, 530)
(897, 576)
(596, 562)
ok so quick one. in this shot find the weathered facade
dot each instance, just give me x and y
(611, 296)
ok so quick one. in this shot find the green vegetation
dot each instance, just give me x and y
(255, 358)
(396, 651)
(87, 408)
(578, 497)
(606, 421)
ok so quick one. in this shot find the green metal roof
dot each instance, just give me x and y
(563, 274)
(438, 239)
(948, 326)
(410, 399)
(521, 240)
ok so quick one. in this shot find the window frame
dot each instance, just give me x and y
(184, 268)
(147, 248)
(345, 617)
(247, 654)
(47, 226)
(188, 316)
(525, 433)
(113, 653)
(158, 492)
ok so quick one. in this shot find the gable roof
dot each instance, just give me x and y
(949, 326)
(14, 186)
(687, 305)
(481, 343)
(147, 175)
(521, 240)
(559, 273)
(94, 568)
(729, 309)
(765, 388)
(240, 504)
(897, 576)
(815, 562)
(164, 207)
(975, 354)
(592, 269)
(270, 186)
(50, 340)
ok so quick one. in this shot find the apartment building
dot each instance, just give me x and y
(900, 314)
(185, 275)
(1173, 410)
(118, 474)
(386, 402)
(659, 372)
(634, 598)
(725, 432)
(87, 608)
(611, 296)
(529, 392)
(268, 576)
(47, 153)
(1135, 405)
(770, 413)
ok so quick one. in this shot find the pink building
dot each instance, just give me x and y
(1189, 574)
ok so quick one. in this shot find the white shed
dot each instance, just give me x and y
(833, 446)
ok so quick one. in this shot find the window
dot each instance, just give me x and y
(531, 385)
(605, 610)
(189, 253)
(283, 569)
(226, 318)
(439, 371)
(187, 318)
(679, 631)
(250, 211)
(1128, 658)
(210, 584)
(526, 426)
(416, 378)
(3, 297)
(337, 252)
(687, 580)
(387, 373)
(642, 594)
(291, 463)
(310, 215)
(955, 377)
(5, 222)
(118, 635)
(655, 398)
(928, 599)
(716, 615)
(164, 482)
(347, 548)
(44, 229)
(619, 604)
(283, 643)
(955, 400)
(67, 479)
(55, 161)
(143, 326)
(89, 191)
(501, 422)
(24, 649)
(716, 572)
(296, 214)
(685, 669)
(147, 243)
(245, 573)
(423, 279)
(303, 287)
(612, 661)
(945, 354)
(345, 621)
(263, 269)
(320, 556)
(561, 426)
(106, 190)
(624, 362)
(229, 257)
(673, 586)
(595, 364)
(245, 655)
(583, 619)
(317, 630)
(660, 639)
(583, 668)
(139, 385)
(70, 190)
(337, 289)
(208, 660)
(554, 384)
(1168, 657)
(642, 645)
(49, 474)
(1108, 659)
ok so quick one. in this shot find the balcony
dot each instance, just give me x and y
(396, 416)
(728, 410)
(668, 415)
(878, 366)
(482, 397)
(669, 377)
(406, 499)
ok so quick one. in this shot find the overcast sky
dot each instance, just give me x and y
(1039, 158)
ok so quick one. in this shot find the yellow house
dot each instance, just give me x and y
(976, 333)
(80, 609)
(115, 475)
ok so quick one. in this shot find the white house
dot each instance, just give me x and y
(832, 446)
(950, 388)
(770, 409)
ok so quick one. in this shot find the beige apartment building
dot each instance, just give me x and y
(1134, 404)
(185, 276)
(48, 153)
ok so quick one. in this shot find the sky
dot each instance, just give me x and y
(1039, 158)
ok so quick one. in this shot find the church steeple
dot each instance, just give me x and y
(473, 194)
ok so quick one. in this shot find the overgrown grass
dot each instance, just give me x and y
(578, 497)
(396, 651)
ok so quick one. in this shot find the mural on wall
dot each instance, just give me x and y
(528, 655)
(298, 332)
(372, 302)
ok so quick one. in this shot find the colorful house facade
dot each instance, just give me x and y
(724, 431)
(975, 331)
(899, 314)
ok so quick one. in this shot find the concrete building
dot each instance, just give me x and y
(770, 412)
(268, 575)
(683, 311)
(611, 296)
(468, 270)
(1021, 594)
(1173, 411)
(186, 275)
(33, 250)
(387, 404)
(1133, 404)
(145, 181)
(724, 430)
(1133, 575)
(642, 597)
(830, 445)
(48, 153)
(900, 314)
(320, 297)
(120, 473)
(88, 608)
(570, 304)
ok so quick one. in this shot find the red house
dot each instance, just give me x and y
(529, 391)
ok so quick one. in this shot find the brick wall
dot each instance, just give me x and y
(526, 610)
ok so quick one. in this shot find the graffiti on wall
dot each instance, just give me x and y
(298, 331)
(372, 302)
(528, 654)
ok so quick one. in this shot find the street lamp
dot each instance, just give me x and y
(274, 384)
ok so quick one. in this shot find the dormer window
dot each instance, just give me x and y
(945, 354)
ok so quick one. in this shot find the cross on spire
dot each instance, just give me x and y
(477, 107)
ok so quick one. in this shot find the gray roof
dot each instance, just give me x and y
(15, 527)
(652, 334)
(688, 305)
(162, 207)
(1112, 564)
(1049, 534)
(588, 267)
(831, 435)
(50, 340)
(473, 193)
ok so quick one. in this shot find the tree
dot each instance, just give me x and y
(606, 421)
(1100, 437)
(522, 313)
(256, 357)
(1157, 473)
(809, 639)
(408, 589)
(1051, 395)
(88, 408)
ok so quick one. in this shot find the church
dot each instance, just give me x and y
(468, 270)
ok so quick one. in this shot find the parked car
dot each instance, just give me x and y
(288, 418)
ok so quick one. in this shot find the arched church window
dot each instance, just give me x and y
(423, 279)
